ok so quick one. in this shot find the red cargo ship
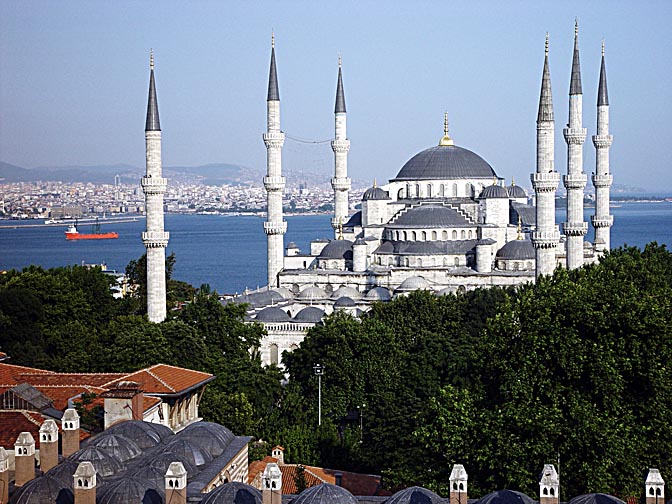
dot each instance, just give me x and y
(73, 234)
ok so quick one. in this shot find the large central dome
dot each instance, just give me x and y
(445, 162)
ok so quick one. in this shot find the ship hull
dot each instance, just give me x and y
(90, 236)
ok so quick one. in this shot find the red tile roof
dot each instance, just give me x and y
(78, 379)
(14, 422)
(60, 394)
(10, 372)
(165, 379)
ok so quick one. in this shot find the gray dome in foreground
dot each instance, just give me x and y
(209, 436)
(494, 191)
(337, 249)
(312, 293)
(345, 290)
(597, 498)
(145, 434)
(325, 494)
(415, 495)
(103, 462)
(310, 314)
(130, 489)
(233, 493)
(445, 163)
(118, 445)
(43, 489)
(344, 302)
(272, 314)
(515, 191)
(520, 250)
(506, 497)
(378, 294)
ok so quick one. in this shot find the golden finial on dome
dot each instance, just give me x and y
(494, 180)
(520, 229)
(374, 182)
(446, 141)
(151, 59)
(513, 181)
(546, 49)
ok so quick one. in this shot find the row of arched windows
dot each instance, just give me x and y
(463, 234)
(430, 190)
(419, 261)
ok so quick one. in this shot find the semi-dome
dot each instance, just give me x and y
(415, 495)
(506, 497)
(337, 249)
(145, 434)
(130, 489)
(413, 284)
(344, 302)
(430, 216)
(494, 191)
(445, 162)
(515, 191)
(378, 294)
(375, 193)
(118, 445)
(345, 290)
(595, 498)
(310, 314)
(312, 293)
(272, 314)
(519, 250)
(234, 492)
(325, 494)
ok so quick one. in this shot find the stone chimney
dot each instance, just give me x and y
(70, 427)
(654, 487)
(549, 486)
(176, 484)
(85, 483)
(48, 445)
(278, 452)
(458, 485)
(24, 459)
(271, 484)
(4, 476)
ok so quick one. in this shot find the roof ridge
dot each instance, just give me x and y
(160, 380)
(26, 414)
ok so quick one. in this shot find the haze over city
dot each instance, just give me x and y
(75, 76)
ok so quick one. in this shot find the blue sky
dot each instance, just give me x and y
(74, 76)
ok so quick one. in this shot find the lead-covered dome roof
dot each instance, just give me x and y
(234, 492)
(445, 162)
(145, 434)
(310, 314)
(43, 489)
(506, 497)
(596, 498)
(325, 494)
(130, 489)
(208, 435)
(494, 191)
(375, 193)
(337, 249)
(517, 250)
(272, 314)
(378, 294)
(413, 284)
(118, 445)
(515, 191)
(415, 495)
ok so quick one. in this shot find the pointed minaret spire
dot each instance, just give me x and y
(340, 95)
(546, 98)
(575, 84)
(602, 94)
(152, 123)
(273, 93)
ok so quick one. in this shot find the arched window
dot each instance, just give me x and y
(445, 261)
(463, 235)
(406, 261)
(414, 236)
(470, 235)
(424, 236)
(444, 235)
(429, 190)
(417, 190)
(274, 353)
(419, 262)
(434, 236)
(467, 189)
(457, 261)
(400, 194)
(442, 190)
(455, 190)
(454, 234)
(405, 236)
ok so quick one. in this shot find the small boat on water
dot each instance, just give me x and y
(53, 221)
(73, 234)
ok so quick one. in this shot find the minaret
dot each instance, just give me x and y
(154, 187)
(545, 180)
(575, 228)
(274, 227)
(340, 145)
(602, 179)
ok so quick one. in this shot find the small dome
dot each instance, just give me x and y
(130, 489)
(310, 315)
(494, 191)
(145, 434)
(515, 191)
(445, 162)
(375, 193)
(344, 302)
(344, 290)
(105, 463)
(234, 492)
(337, 249)
(116, 444)
(43, 489)
(325, 494)
(596, 498)
(151, 473)
(517, 250)
(378, 294)
(284, 292)
(194, 453)
(413, 284)
(272, 314)
(62, 473)
(209, 436)
(291, 245)
(162, 462)
(415, 495)
(359, 241)
(312, 293)
(506, 497)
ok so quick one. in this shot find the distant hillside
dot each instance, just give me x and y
(98, 174)
(216, 174)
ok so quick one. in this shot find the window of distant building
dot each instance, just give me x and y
(274, 354)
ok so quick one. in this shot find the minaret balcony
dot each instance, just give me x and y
(575, 228)
(575, 181)
(274, 139)
(154, 185)
(575, 136)
(340, 146)
(545, 239)
(602, 221)
(602, 141)
(545, 182)
(275, 228)
(602, 180)
(154, 239)
(274, 183)
(341, 184)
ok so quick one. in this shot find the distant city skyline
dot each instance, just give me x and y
(75, 76)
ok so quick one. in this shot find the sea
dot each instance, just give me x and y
(229, 252)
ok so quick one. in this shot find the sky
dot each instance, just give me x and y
(74, 77)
